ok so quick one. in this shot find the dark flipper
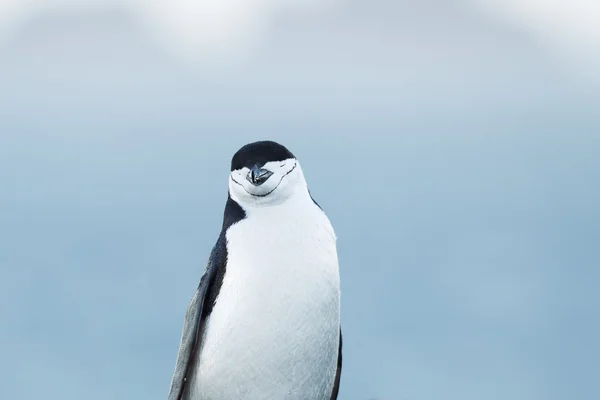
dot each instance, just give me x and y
(338, 373)
(190, 338)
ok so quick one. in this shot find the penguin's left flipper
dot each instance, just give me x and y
(190, 338)
(338, 372)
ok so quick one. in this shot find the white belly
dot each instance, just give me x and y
(274, 331)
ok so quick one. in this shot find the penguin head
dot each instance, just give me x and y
(264, 173)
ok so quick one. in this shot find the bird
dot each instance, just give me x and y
(264, 322)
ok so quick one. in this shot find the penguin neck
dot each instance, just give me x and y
(269, 237)
(297, 202)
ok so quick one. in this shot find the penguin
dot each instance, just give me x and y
(264, 322)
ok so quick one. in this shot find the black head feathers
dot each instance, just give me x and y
(259, 153)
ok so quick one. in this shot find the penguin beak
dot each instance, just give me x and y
(257, 176)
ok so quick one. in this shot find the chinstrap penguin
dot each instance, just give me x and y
(264, 323)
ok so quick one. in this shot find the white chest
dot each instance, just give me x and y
(274, 330)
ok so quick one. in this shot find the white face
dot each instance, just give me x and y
(273, 183)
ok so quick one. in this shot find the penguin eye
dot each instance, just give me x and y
(282, 165)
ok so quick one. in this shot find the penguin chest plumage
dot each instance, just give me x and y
(274, 330)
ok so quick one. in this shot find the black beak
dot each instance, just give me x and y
(257, 176)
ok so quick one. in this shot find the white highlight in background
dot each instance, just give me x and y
(210, 30)
(192, 30)
(570, 27)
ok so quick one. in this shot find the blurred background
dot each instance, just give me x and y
(453, 143)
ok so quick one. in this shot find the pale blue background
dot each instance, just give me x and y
(456, 157)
